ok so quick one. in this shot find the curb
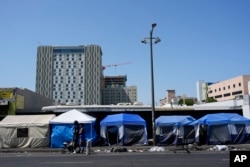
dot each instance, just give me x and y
(108, 149)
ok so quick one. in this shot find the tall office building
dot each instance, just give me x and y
(70, 74)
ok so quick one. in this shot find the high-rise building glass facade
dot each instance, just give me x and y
(70, 74)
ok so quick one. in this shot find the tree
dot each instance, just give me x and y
(188, 102)
(211, 100)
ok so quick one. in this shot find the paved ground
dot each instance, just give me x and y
(139, 156)
(113, 159)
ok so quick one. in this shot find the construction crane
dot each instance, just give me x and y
(115, 65)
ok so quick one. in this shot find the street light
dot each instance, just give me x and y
(145, 41)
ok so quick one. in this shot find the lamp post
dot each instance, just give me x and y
(156, 40)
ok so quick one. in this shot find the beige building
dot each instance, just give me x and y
(229, 89)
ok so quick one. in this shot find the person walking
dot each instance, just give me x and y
(82, 137)
(75, 140)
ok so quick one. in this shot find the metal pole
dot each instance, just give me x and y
(152, 85)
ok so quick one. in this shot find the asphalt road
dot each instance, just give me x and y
(146, 159)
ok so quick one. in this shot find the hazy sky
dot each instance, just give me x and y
(201, 39)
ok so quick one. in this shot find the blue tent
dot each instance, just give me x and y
(223, 128)
(171, 128)
(177, 120)
(123, 129)
(62, 127)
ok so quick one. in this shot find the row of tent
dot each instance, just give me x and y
(32, 131)
(221, 128)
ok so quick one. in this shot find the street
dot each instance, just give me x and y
(146, 159)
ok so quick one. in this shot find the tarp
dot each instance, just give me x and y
(175, 129)
(25, 131)
(223, 128)
(63, 127)
(70, 116)
(124, 129)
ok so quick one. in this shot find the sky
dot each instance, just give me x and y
(200, 40)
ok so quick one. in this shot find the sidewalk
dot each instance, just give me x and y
(108, 149)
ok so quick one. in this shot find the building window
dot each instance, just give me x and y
(237, 92)
(239, 84)
(22, 132)
(228, 87)
(233, 85)
(219, 96)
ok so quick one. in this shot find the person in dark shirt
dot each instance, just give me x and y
(75, 140)
(82, 137)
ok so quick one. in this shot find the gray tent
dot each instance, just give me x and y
(25, 131)
(124, 129)
(169, 129)
(223, 128)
